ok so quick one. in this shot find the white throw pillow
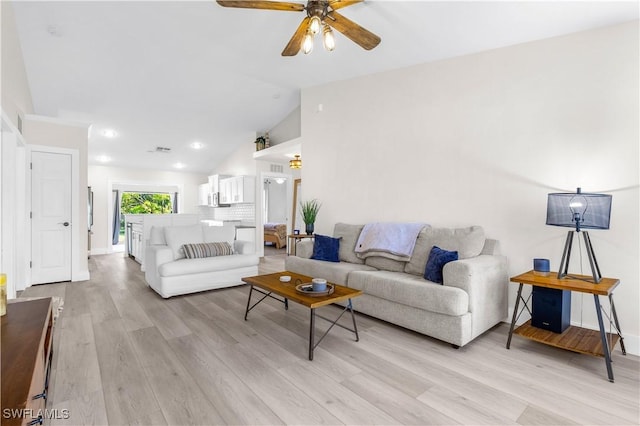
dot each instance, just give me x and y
(176, 236)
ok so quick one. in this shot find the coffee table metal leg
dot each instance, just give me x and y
(312, 327)
(353, 317)
(286, 304)
(246, 312)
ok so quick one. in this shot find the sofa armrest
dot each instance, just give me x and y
(154, 256)
(304, 248)
(244, 247)
(485, 278)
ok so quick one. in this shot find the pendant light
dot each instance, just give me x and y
(296, 163)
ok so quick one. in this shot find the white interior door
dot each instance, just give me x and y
(51, 217)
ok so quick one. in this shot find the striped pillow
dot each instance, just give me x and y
(196, 251)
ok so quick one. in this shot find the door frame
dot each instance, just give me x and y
(76, 273)
(260, 200)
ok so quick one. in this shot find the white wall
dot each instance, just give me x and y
(16, 95)
(103, 178)
(239, 163)
(14, 249)
(277, 207)
(46, 131)
(482, 139)
(287, 129)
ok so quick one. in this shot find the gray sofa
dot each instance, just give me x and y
(472, 298)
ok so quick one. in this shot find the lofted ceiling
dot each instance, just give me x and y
(169, 73)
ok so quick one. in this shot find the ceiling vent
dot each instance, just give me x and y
(162, 149)
(276, 168)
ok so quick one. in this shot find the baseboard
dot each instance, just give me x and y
(81, 276)
(631, 341)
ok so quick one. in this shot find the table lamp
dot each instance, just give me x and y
(580, 211)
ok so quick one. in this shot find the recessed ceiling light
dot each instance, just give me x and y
(109, 133)
(197, 145)
(179, 166)
(103, 158)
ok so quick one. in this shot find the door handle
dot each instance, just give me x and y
(63, 223)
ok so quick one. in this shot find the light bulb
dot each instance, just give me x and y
(307, 43)
(314, 25)
(328, 39)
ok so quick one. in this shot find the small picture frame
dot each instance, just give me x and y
(296, 232)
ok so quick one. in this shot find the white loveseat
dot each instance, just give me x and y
(471, 299)
(170, 273)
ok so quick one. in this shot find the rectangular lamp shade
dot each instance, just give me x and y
(593, 210)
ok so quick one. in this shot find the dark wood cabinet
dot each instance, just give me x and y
(27, 331)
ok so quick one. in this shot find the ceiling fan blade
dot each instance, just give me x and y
(262, 4)
(293, 47)
(364, 38)
(339, 4)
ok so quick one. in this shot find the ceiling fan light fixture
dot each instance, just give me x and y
(307, 43)
(315, 24)
(328, 39)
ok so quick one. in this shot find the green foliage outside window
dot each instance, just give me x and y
(136, 203)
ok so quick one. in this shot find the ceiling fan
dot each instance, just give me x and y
(321, 15)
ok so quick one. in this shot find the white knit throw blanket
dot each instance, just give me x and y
(381, 238)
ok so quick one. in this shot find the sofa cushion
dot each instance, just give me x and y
(437, 259)
(468, 242)
(326, 248)
(200, 250)
(412, 291)
(177, 236)
(385, 264)
(349, 237)
(208, 264)
(333, 272)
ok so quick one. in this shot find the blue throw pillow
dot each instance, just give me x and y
(326, 248)
(437, 259)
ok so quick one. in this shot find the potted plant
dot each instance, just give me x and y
(309, 212)
(260, 141)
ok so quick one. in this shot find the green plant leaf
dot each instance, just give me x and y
(309, 210)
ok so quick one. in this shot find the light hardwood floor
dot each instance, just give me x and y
(123, 355)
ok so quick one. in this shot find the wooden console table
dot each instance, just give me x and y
(576, 339)
(27, 331)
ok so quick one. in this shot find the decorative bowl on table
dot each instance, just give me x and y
(307, 289)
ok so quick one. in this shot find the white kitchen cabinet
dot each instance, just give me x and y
(225, 190)
(237, 190)
(204, 194)
(137, 243)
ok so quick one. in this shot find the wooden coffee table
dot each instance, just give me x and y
(270, 285)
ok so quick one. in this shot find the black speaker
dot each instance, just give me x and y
(551, 309)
